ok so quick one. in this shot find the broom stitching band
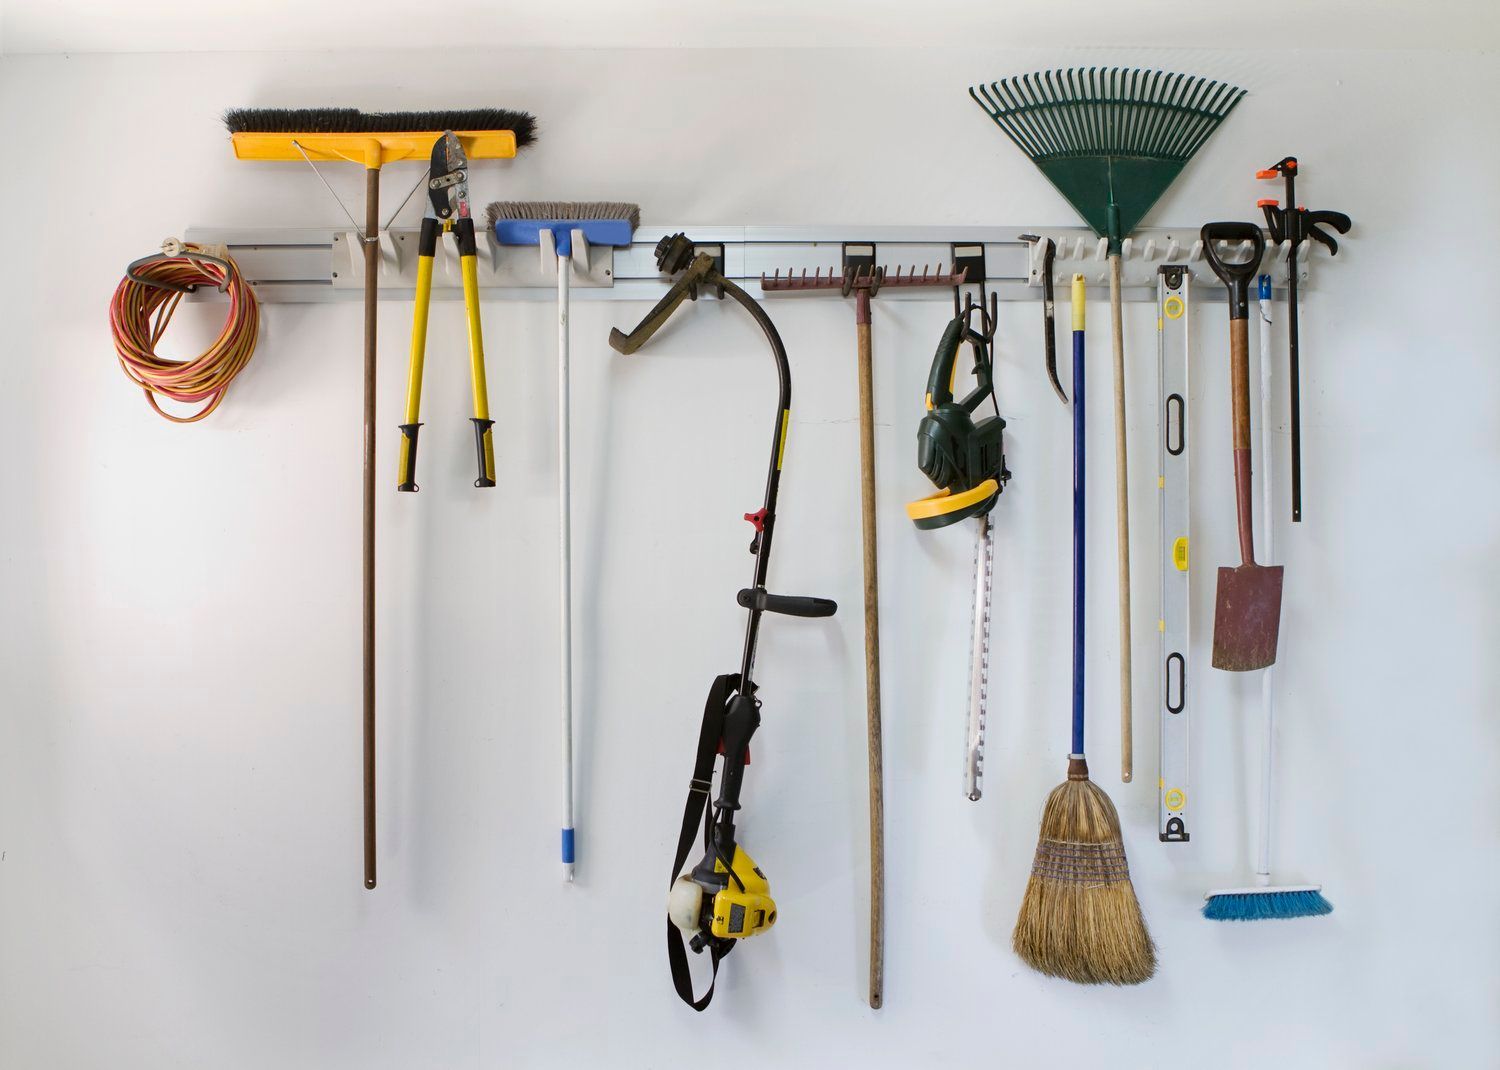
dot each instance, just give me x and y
(1087, 864)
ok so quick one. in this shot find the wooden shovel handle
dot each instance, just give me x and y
(1239, 376)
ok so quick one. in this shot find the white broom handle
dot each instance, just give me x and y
(1268, 706)
(565, 561)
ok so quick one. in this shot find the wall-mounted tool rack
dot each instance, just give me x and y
(325, 264)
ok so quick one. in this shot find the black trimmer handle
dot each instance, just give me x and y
(1235, 275)
(791, 605)
(740, 722)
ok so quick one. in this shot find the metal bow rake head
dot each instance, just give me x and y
(870, 280)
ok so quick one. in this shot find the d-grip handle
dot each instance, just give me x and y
(791, 605)
(1234, 274)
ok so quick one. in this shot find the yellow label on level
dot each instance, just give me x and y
(1180, 554)
(1173, 307)
(1175, 799)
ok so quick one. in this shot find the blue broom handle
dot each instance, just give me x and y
(1078, 482)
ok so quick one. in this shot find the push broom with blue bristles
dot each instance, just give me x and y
(564, 231)
(1266, 900)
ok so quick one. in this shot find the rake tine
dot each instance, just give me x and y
(1024, 128)
(1133, 111)
(1186, 135)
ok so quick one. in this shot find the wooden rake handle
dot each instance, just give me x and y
(872, 651)
(1122, 522)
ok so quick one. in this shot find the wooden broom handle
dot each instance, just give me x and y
(367, 544)
(872, 648)
(1122, 521)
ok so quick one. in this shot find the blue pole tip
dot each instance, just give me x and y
(567, 845)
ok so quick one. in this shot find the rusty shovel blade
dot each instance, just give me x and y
(1247, 617)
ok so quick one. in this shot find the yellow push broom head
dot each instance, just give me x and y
(1080, 919)
(374, 138)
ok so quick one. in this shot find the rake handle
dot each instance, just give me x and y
(1122, 520)
(872, 646)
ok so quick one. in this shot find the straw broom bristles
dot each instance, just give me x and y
(1080, 919)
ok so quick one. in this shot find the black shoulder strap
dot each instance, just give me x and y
(695, 811)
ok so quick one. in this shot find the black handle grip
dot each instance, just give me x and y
(1313, 223)
(409, 457)
(792, 605)
(484, 446)
(1235, 275)
(740, 722)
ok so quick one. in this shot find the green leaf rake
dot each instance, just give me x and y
(1111, 140)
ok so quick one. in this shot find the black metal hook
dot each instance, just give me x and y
(132, 271)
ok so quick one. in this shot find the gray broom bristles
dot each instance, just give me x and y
(1080, 919)
(565, 210)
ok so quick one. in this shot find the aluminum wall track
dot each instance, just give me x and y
(324, 264)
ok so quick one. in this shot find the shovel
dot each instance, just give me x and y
(1248, 613)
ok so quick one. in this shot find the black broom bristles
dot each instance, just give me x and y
(354, 121)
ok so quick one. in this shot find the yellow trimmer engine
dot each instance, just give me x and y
(718, 903)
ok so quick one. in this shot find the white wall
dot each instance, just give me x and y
(179, 771)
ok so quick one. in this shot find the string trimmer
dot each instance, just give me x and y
(966, 459)
(725, 897)
(1111, 141)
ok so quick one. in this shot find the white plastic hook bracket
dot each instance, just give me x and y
(546, 249)
(581, 253)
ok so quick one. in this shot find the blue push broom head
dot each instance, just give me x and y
(1261, 904)
(602, 222)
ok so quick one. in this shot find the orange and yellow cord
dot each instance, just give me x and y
(138, 318)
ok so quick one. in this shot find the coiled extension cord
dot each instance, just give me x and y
(142, 307)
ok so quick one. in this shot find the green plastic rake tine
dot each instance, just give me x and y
(1187, 138)
(1013, 130)
(1168, 90)
(1137, 113)
(1036, 102)
(1074, 113)
(1052, 122)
